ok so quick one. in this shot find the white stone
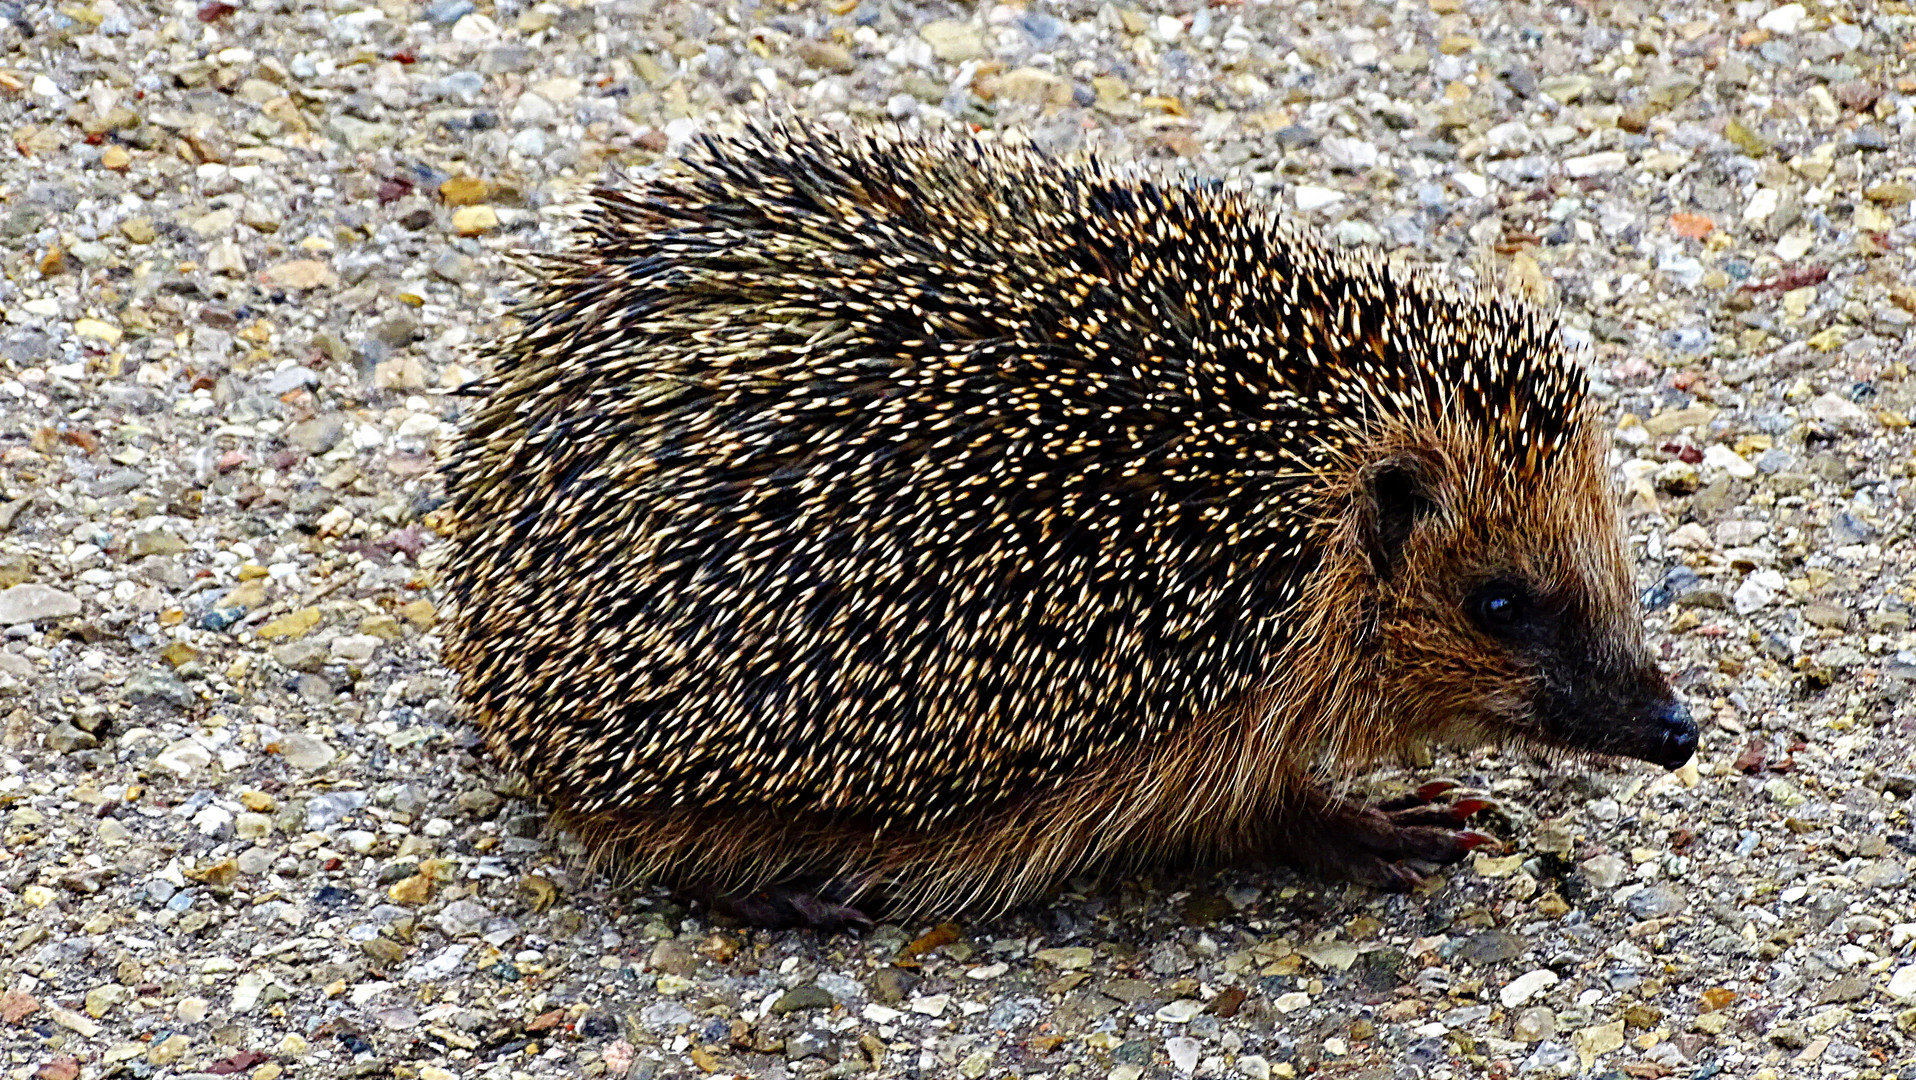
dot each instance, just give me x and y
(473, 28)
(559, 89)
(212, 820)
(1784, 20)
(184, 758)
(1758, 591)
(305, 752)
(1599, 164)
(419, 426)
(1348, 153)
(1829, 408)
(246, 991)
(1312, 197)
(1526, 986)
(1291, 1002)
(1184, 1052)
(532, 109)
(933, 1005)
(1761, 206)
(1689, 536)
(1722, 457)
(226, 257)
(356, 648)
(31, 603)
(1902, 985)
(440, 966)
(1180, 1011)
(1475, 185)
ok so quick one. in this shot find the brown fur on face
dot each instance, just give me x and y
(1458, 685)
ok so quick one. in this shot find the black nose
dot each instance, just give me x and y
(1674, 734)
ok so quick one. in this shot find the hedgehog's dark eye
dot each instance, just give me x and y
(1500, 608)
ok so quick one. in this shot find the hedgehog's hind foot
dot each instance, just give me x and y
(821, 905)
(1383, 848)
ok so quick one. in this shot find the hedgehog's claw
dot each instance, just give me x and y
(1472, 839)
(1444, 814)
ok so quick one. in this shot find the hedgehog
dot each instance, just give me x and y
(859, 520)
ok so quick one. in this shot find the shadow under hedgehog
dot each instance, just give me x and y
(860, 519)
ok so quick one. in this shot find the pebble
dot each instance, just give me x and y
(306, 753)
(1902, 985)
(1534, 1024)
(1783, 20)
(1889, 873)
(301, 274)
(476, 220)
(1604, 871)
(1308, 197)
(1184, 1053)
(1526, 986)
(798, 999)
(1758, 591)
(1656, 901)
(184, 758)
(1599, 164)
(953, 41)
(29, 603)
(1180, 1012)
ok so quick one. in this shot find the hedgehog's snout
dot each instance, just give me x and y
(1666, 734)
(1611, 705)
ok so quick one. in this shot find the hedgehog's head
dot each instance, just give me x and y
(1505, 604)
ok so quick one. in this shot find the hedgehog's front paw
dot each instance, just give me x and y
(1388, 846)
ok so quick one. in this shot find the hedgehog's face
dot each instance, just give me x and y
(1507, 609)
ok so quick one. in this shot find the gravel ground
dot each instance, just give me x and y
(246, 245)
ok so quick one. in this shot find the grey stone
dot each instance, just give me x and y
(890, 985)
(158, 686)
(674, 957)
(1493, 947)
(319, 434)
(306, 654)
(800, 998)
(462, 917)
(332, 807)
(1656, 902)
(306, 753)
(1887, 873)
(64, 738)
(665, 1015)
(32, 602)
(1604, 871)
(808, 1044)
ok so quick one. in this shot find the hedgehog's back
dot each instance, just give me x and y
(894, 481)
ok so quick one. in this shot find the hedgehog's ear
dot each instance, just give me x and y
(1398, 493)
